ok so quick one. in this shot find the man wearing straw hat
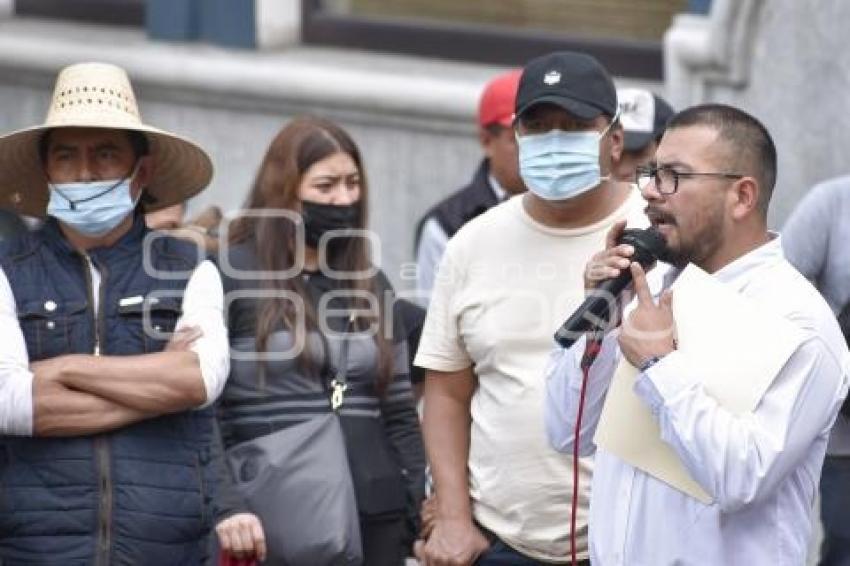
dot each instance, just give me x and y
(104, 407)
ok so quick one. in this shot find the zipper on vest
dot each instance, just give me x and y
(101, 442)
(87, 269)
(104, 534)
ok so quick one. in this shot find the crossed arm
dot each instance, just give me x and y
(78, 394)
(83, 394)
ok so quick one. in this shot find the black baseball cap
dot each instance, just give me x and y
(576, 82)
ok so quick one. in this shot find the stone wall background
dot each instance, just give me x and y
(788, 63)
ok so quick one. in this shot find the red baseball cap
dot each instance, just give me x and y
(497, 102)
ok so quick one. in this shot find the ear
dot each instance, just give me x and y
(745, 198)
(486, 138)
(617, 140)
(144, 173)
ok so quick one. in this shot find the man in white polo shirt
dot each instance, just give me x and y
(507, 277)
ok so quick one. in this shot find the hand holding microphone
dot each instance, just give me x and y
(611, 261)
(606, 276)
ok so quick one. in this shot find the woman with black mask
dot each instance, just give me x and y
(304, 295)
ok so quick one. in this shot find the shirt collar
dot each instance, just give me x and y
(737, 273)
(497, 189)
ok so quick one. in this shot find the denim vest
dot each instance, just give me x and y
(137, 495)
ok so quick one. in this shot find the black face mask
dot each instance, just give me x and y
(322, 218)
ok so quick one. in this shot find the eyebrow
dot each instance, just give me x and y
(107, 145)
(334, 177)
(55, 148)
(68, 147)
(671, 165)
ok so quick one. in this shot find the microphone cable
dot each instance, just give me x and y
(591, 351)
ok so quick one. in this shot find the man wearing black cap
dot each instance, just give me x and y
(644, 116)
(503, 495)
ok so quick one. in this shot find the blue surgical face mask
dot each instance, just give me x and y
(560, 165)
(93, 208)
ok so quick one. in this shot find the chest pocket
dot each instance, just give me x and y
(54, 327)
(152, 322)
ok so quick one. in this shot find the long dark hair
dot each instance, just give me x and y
(305, 141)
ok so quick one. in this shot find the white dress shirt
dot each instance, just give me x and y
(203, 305)
(761, 469)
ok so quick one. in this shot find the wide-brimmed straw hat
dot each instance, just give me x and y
(98, 95)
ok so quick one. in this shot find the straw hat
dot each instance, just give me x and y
(98, 95)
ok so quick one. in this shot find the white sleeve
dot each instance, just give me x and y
(203, 306)
(15, 375)
(432, 245)
(564, 378)
(740, 459)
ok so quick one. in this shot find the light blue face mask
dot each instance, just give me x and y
(560, 165)
(93, 208)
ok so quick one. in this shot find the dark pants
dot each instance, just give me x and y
(835, 511)
(501, 554)
(383, 541)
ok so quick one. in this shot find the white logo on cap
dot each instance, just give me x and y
(637, 110)
(552, 78)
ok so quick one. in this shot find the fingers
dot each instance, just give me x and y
(608, 264)
(447, 548)
(641, 286)
(208, 217)
(223, 532)
(243, 542)
(183, 338)
(666, 299)
(614, 234)
(259, 539)
(189, 333)
(242, 536)
(427, 526)
(419, 551)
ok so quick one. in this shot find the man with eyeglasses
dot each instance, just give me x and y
(503, 496)
(708, 191)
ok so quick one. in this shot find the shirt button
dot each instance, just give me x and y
(50, 325)
(50, 306)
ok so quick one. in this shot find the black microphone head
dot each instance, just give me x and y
(648, 243)
(595, 312)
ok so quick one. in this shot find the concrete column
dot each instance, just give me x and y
(277, 23)
(7, 8)
(715, 49)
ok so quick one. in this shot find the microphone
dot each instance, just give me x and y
(595, 312)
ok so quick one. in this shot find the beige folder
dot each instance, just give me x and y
(736, 348)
